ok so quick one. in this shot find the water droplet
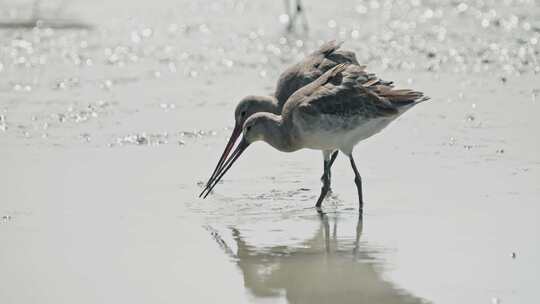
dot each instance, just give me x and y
(135, 38)
(147, 32)
(284, 19)
(204, 28)
(462, 7)
(107, 84)
(361, 9)
(332, 23)
(173, 28)
(228, 63)
(86, 137)
(172, 67)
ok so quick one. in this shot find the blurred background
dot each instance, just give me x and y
(113, 113)
(188, 51)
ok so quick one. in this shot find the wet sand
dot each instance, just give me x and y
(107, 135)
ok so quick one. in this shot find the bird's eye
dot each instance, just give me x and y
(248, 128)
(243, 113)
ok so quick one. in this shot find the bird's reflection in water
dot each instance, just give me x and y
(323, 269)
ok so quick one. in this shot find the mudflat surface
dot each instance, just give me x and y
(113, 114)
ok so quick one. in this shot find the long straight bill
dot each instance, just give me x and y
(226, 166)
(232, 140)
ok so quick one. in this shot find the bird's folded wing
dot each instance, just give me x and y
(342, 93)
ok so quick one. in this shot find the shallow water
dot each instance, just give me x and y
(113, 113)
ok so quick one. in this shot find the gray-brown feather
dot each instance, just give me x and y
(311, 68)
(340, 92)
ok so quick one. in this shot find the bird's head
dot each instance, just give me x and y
(246, 108)
(260, 126)
(256, 127)
(250, 105)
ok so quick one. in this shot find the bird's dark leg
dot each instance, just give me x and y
(290, 15)
(333, 158)
(325, 178)
(359, 228)
(331, 162)
(296, 12)
(300, 11)
(325, 227)
(358, 182)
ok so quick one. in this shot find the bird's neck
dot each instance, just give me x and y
(270, 104)
(278, 135)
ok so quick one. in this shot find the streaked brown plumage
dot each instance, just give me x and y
(293, 78)
(336, 111)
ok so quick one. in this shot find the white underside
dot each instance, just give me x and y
(344, 140)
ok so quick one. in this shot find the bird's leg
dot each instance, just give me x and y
(326, 229)
(359, 228)
(325, 178)
(300, 11)
(331, 162)
(358, 182)
(291, 16)
(333, 158)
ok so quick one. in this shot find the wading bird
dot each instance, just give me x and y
(293, 78)
(297, 12)
(334, 112)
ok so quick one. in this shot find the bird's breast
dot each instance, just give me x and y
(326, 132)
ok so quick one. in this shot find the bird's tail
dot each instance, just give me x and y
(401, 97)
